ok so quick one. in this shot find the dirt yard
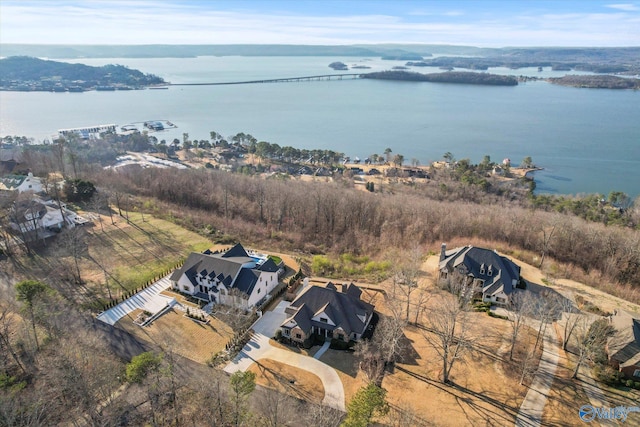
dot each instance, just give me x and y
(181, 335)
(288, 379)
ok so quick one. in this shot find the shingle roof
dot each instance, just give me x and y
(246, 280)
(479, 262)
(342, 308)
(226, 267)
(236, 251)
(624, 345)
(269, 266)
(198, 263)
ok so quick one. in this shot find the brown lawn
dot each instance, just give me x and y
(288, 379)
(181, 335)
(345, 365)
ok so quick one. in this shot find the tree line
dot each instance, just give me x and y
(330, 217)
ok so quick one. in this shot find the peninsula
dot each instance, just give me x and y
(24, 73)
(446, 77)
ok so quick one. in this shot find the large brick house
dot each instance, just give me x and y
(329, 311)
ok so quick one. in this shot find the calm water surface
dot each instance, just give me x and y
(587, 140)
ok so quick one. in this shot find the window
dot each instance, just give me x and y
(636, 373)
(490, 272)
(323, 319)
(299, 336)
(259, 290)
(341, 337)
(285, 332)
(481, 270)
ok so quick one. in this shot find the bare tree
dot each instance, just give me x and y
(520, 305)
(448, 333)
(570, 318)
(420, 304)
(406, 276)
(369, 359)
(72, 242)
(528, 364)
(7, 330)
(591, 339)
(277, 409)
(547, 235)
(317, 415)
(389, 334)
(544, 309)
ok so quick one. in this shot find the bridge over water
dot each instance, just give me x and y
(279, 80)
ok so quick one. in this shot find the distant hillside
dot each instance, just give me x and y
(448, 77)
(190, 51)
(27, 73)
(597, 82)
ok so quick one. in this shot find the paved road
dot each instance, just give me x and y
(260, 348)
(530, 414)
(148, 299)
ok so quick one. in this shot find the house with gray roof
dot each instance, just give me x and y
(490, 276)
(330, 311)
(232, 278)
(623, 347)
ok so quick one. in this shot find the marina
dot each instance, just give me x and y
(93, 132)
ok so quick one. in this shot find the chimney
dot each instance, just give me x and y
(344, 288)
(443, 249)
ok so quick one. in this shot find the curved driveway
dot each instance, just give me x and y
(259, 348)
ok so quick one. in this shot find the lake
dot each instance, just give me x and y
(587, 140)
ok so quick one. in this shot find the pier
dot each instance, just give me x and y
(279, 80)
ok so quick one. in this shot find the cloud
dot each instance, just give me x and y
(160, 22)
(627, 7)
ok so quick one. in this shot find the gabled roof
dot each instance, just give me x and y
(624, 345)
(235, 252)
(226, 267)
(342, 307)
(210, 265)
(247, 280)
(479, 262)
(269, 266)
(11, 182)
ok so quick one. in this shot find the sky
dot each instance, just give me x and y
(332, 22)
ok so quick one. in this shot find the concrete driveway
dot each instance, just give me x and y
(259, 348)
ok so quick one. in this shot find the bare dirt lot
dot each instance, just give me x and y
(175, 332)
(288, 379)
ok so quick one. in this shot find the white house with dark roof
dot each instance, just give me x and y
(330, 311)
(491, 276)
(232, 278)
(21, 183)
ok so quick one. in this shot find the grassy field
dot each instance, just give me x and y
(130, 254)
